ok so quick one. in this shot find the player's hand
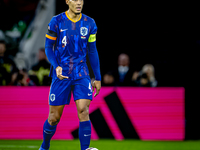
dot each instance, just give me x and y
(59, 73)
(96, 84)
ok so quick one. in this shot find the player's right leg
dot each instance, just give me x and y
(50, 125)
(60, 94)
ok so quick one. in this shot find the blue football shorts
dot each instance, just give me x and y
(60, 91)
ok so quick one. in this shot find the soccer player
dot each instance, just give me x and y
(71, 36)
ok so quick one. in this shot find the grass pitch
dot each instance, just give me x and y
(102, 145)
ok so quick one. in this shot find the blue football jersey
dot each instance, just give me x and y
(71, 43)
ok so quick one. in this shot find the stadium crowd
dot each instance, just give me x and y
(38, 75)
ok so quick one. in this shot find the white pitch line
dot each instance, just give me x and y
(18, 146)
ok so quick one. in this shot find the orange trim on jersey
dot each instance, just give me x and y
(50, 37)
(72, 19)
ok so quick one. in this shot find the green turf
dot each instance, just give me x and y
(102, 145)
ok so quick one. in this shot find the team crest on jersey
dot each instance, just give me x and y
(83, 31)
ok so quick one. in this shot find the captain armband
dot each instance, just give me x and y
(50, 39)
(92, 38)
(51, 35)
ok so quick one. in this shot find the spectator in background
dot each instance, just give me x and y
(122, 75)
(8, 69)
(39, 72)
(150, 71)
(108, 79)
(142, 81)
(146, 77)
(23, 79)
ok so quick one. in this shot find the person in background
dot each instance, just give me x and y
(122, 75)
(146, 77)
(108, 79)
(8, 69)
(150, 72)
(142, 81)
(39, 72)
(23, 79)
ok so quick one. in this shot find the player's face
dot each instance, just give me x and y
(75, 5)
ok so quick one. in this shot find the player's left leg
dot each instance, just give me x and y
(82, 92)
(84, 124)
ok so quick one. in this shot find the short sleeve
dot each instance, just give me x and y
(94, 27)
(53, 26)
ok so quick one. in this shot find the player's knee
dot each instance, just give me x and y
(83, 113)
(53, 119)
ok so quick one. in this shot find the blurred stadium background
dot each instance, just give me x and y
(163, 34)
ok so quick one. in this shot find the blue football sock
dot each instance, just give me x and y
(48, 132)
(85, 134)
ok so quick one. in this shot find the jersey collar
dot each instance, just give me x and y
(72, 19)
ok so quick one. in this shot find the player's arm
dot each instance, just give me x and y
(51, 37)
(94, 61)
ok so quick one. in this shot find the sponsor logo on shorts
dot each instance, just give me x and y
(89, 94)
(52, 97)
